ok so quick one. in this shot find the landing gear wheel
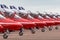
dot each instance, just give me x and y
(20, 33)
(5, 36)
(33, 32)
(43, 29)
(56, 28)
(50, 28)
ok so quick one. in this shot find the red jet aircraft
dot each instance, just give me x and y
(8, 24)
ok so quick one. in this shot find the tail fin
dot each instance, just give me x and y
(13, 7)
(21, 8)
(3, 6)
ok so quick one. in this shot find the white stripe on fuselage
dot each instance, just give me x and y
(21, 23)
(17, 23)
(8, 23)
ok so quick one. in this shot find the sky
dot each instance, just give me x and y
(35, 5)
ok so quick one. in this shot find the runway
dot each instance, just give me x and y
(47, 35)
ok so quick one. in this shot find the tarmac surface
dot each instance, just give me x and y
(47, 35)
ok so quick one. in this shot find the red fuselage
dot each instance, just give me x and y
(36, 21)
(48, 21)
(9, 24)
(26, 23)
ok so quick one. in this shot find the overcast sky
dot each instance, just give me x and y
(35, 5)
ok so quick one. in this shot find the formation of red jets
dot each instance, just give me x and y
(14, 20)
